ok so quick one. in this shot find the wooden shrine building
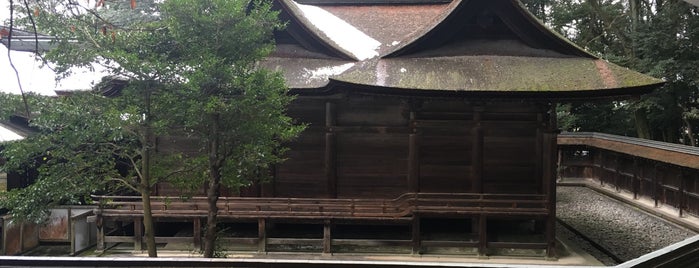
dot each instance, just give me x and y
(431, 126)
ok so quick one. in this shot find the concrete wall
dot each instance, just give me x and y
(65, 225)
(18, 237)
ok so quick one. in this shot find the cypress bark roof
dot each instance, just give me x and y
(493, 47)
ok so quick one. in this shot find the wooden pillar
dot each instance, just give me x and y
(656, 178)
(414, 163)
(617, 172)
(327, 237)
(196, 232)
(482, 236)
(137, 234)
(540, 152)
(681, 194)
(477, 153)
(415, 229)
(549, 174)
(330, 150)
(99, 223)
(637, 177)
(261, 236)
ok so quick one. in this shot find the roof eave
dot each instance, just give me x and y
(336, 86)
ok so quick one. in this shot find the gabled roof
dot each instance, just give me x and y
(15, 128)
(484, 47)
(24, 40)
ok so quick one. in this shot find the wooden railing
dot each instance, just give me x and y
(311, 208)
(667, 173)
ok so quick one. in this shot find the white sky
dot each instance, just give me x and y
(8, 135)
(33, 76)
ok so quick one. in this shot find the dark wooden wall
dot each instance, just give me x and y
(373, 146)
(381, 146)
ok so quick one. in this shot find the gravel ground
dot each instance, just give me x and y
(626, 231)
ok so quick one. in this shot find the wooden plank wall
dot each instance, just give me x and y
(302, 174)
(372, 146)
(365, 146)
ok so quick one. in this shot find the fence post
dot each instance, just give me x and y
(681, 194)
(327, 237)
(655, 184)
(415, 229)
(636, 178)
(261, 235)
(617, 173)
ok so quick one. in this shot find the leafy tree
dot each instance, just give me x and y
(192, 67)
(101, 36)
(235, 109)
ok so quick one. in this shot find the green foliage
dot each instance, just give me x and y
(192, 71)
(226, 97)
(233, 108)
(76, 151)
(10, 104)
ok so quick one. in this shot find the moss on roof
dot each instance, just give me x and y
(495, 73)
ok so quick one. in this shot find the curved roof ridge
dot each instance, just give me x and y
(296, 15)
(439, 33)
(333, 32)
(419, 34)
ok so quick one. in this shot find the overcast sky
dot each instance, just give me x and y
(34, 77)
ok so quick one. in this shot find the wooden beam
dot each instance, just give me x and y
(550, 151)
(330, 150)
(261, 236)
(482, 236)
(477, 153)
(414, 163)
(330, 114)
(415, 229)
(196, 232)
(137, 234)
(99, 223)
(331, 164)
(327, 237)
(540, 152)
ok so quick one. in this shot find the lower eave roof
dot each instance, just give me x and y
(556, 77)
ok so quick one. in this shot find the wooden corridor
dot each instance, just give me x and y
(407, 209)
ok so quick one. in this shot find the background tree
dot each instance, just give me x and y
(655, 37)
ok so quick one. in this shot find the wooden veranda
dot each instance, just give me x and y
(406, 209)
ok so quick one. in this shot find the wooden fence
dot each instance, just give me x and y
(667, 173)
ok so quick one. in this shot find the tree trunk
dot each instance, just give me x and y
(690, 132)
(144, 187)
(634, 4)
(213, 191)
(642, 126)
(148, 229)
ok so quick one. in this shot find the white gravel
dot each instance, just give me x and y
(624, 230)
